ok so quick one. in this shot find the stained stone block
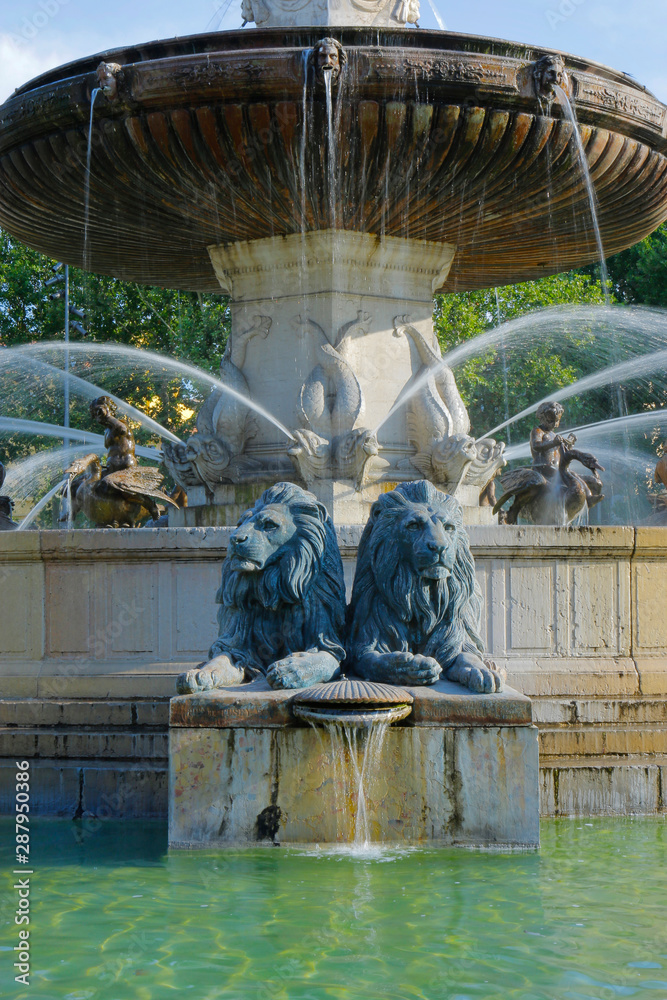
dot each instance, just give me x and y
(242, 772)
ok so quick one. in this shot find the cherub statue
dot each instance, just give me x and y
(545, 442)
(549, 492)
(118, 438)
(119, 494)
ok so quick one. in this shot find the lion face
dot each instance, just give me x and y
(428, 541)
(260, 537)
(415, 588)
(283, 588)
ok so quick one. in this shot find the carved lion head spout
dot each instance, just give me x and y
(327, 57)
(548, 73)
(282, 599)
(416, 606)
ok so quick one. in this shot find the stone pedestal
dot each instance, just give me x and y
(462, 769)
(95, 626)
(292, 13)
(331, 333)
(330, 301)
(348, 506)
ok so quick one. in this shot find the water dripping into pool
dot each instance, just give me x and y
(571, 116)
(86, 210)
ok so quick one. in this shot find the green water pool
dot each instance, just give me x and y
(115, 916)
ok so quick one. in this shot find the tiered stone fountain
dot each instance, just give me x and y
(330, 186)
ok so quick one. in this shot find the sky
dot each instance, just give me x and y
(36, 35)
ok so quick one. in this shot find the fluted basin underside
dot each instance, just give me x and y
(215, 139)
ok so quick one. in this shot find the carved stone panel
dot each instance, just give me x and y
(294, 13)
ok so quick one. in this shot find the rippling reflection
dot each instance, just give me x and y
(116, 916)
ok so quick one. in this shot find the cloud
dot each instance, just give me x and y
(20, 61)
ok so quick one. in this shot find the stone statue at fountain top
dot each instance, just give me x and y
(416, 605)
(282, 598)
(344, 13)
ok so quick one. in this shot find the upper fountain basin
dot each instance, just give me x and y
(439, 137)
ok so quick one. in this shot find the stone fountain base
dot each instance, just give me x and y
(462, 769)
(345, 502)
(95, 626)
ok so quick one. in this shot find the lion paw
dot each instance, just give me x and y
(220, 672)
(408, 668)
(471, 672)
(300, 670)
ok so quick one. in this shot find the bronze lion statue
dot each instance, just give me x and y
(282, 599)
(416, 605)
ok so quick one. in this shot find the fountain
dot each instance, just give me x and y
(331, 250)
(330, 186)
(414, 635)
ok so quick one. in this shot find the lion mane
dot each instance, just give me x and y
(392, 609)
(296, 603)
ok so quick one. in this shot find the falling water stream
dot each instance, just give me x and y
(439, 21)
(86, 210)
(634, 368)
(9, 425)
(88, 389)
(635, 329)
(28, 477)
(503, 355)
(147, 360)
(570, 113)
(305, 56)
(331, 148)
(68, 497)
(354, 753)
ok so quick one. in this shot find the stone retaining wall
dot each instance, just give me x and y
(119, 613)
(94, 627)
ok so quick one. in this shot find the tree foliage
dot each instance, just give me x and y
(640, 273)
(182, 325)
(504, 379)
